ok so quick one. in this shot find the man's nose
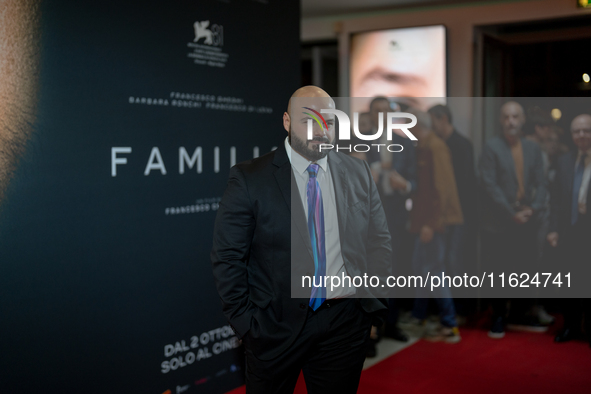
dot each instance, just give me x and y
(319, 131)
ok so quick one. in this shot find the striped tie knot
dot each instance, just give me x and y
(312, 170)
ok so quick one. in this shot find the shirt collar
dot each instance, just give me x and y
(580, 153)
(299, 163)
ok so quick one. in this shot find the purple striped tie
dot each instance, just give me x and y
(316, 231)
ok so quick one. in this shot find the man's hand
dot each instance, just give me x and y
(552, 239)
(374, 333)
(397, 181)
(426, 235)
(523, 216)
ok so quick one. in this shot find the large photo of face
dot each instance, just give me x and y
(19, 52)
(409, 63)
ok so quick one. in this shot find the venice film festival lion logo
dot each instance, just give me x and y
(213, 36)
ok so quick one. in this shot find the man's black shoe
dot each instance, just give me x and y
(371, 350)
(497, 330)
(395, 333)
(566, 334)
(527, 323)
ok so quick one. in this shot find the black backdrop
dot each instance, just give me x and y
(105, 281)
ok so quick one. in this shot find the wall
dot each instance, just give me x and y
(120, 121)
(460, 21)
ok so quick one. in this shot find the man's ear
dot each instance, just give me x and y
(286, 121)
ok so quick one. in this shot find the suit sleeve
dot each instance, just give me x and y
(539, 181)
(232, 237)
(556, 203)
(489, 181)
(445, 184)
(470, 184)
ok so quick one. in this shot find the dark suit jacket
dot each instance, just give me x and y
(405, 164)
(462, 157)
(561, 194)
(499, 181)
(261, 246)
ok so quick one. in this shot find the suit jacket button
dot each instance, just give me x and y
(303, 306)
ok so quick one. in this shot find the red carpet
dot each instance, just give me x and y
(519, 363)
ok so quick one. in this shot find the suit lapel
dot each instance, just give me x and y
(289, 189)
(283, 176)
(510, 161)
(527, 159)
(570, 175)
(341, 186)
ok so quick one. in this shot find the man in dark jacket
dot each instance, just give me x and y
(514, 186)
(293, 213)
(570, 220)
(460, 239)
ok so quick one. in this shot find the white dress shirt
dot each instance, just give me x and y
(586, 180)
(335, 265)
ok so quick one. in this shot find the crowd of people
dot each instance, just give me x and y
(525, 200)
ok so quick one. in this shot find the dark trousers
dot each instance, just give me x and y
(455, 253)
(396, 217)
(511, 250)
(573, 310)
(330, 351)
(574, 249)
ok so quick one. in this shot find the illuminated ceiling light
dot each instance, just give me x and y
(586, 78)
(556, 114)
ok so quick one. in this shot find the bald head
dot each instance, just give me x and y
(305, 105)
(512, 120)
(512, 106)
(307, 91)
(581, 121)
(580, 129)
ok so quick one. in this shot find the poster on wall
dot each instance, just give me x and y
(119, 122)
(409, 63)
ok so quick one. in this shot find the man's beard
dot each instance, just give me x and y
(301, 146)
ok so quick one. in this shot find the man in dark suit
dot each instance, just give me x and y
(292, 213)
(570, 220)
(396, 177)
(514, 186)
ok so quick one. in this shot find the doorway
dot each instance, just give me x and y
(532, 60)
